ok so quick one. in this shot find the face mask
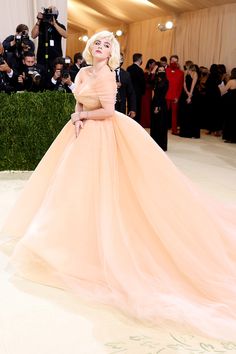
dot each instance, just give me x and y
(162, 74)
(173, 66)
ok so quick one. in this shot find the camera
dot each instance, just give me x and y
(65, 74)
(2, 61)
(18, 40)
(22, 38)
(48, 14)
(34, 74)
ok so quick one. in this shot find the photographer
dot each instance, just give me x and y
(7, 75)
(60, 79)
(16, 45)
(32, 77)
(50, 33)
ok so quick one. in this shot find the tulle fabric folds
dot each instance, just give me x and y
(109, 217)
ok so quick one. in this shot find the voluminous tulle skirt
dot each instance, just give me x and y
(109, 217)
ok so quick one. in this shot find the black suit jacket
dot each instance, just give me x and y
(125, 93)
(74, 71)
(138, 79)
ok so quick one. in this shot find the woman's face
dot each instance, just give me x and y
(101, 48)
(152, 65)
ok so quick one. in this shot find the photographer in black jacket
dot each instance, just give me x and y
(32, 76)
(59, 78)
(16, 45)
(7, 74)
(50, 33)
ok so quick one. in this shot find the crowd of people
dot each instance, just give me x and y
(184, 101)
(160, 97)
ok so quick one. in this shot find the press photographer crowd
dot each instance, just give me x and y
(23, 69)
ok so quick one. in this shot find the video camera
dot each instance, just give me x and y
(49, 14)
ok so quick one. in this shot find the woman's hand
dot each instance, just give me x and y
(189, 100)
(75, 116)
(78, 125)
(156, 110)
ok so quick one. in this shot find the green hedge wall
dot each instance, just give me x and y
(29, 122)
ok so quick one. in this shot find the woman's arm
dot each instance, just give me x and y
(194, 81)
(224, 88)
(106, 111)
(80, 116)
(185, 86)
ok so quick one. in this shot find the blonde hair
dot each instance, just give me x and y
(114, 60)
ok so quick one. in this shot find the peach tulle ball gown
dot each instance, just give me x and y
(108, 216)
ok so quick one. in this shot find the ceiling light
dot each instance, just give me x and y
(169, 25)
(83, 38)
(119, 33)
(164, 27)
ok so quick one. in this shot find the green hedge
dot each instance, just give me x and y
(29, 122)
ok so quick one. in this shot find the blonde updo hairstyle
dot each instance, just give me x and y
(114, 60)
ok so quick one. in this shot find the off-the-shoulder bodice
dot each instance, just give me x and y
(94, 90)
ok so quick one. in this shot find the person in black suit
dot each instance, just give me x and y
(138, 81)
(125, 98)
(79, 63)
(8, 77)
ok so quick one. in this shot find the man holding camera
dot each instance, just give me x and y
(16, 45)
(59, 78)
(32, 77)
(50, 33)
(7, 75)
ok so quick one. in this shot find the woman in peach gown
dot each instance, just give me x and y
(108, 216)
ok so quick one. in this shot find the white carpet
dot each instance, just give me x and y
(36, 319)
